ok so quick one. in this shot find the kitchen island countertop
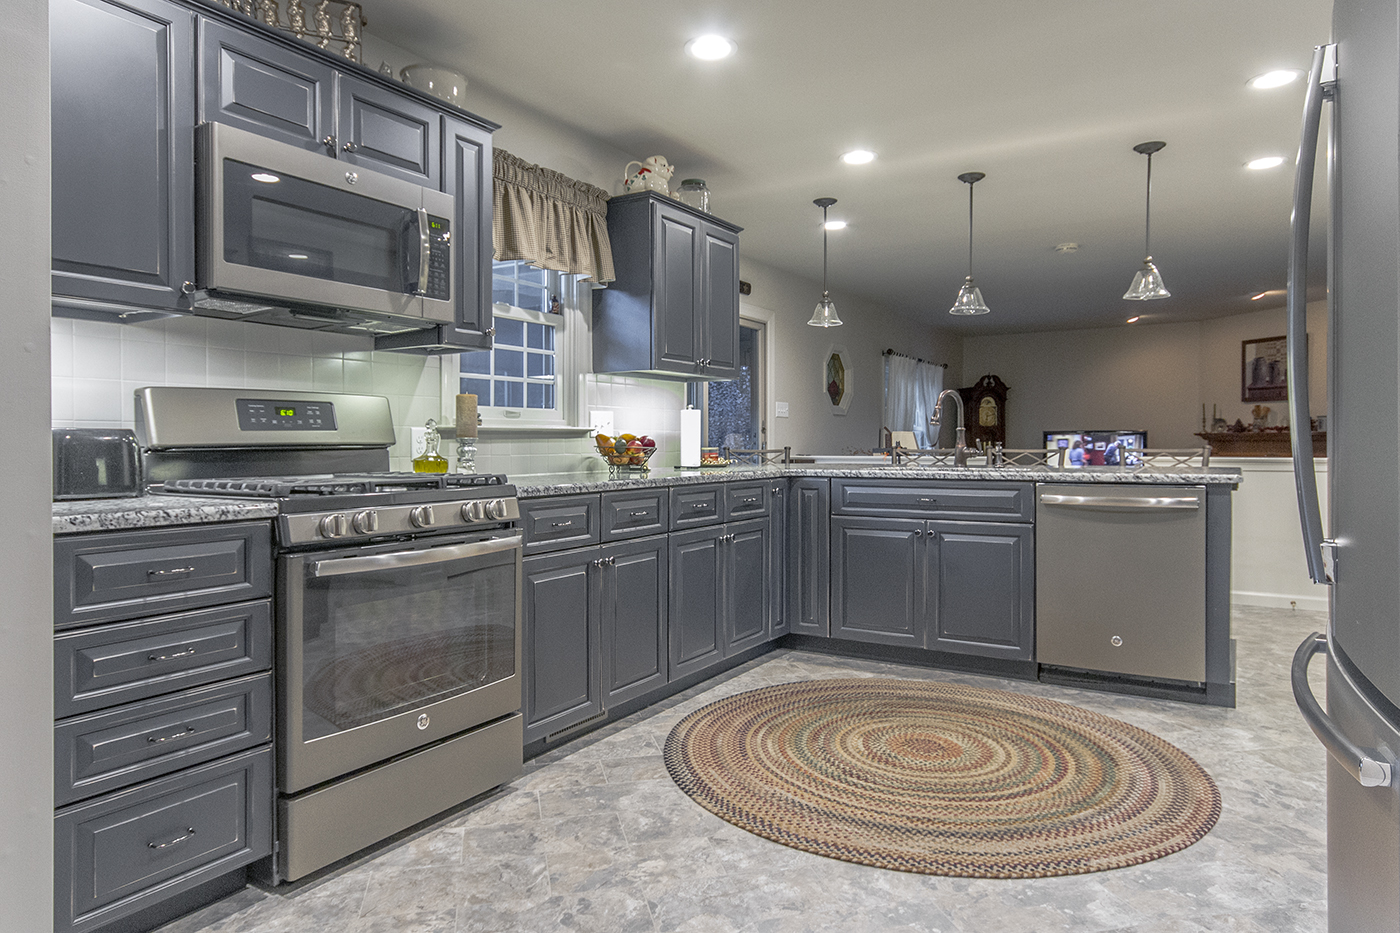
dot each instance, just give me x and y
(76, 516)
(533, 485)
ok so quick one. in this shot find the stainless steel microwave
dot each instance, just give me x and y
(294, 237)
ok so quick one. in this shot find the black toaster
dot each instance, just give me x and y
(95, 463)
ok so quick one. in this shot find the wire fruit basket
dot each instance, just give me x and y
(633, 457)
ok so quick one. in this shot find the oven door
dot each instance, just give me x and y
(283, 224)
(384, 649)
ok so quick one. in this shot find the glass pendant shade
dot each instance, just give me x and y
(969, 300)
(825, 314)
(1147, 284)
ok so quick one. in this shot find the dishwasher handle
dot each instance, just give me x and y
(1360, 764)
(1123, 503)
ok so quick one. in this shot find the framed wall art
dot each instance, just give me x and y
(838, 378)
(1264, 369)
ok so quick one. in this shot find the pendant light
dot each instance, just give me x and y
(969, 300)
(1147, 284)
(825, 313)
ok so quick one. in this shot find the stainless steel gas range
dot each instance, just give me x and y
(398, 608)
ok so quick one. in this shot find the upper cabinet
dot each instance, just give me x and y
(123, 154)
(132, 79)
(674, 308)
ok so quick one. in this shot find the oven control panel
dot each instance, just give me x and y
(261, 414)
(350, 524)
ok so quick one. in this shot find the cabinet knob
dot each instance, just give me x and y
(187, 288)
(349, 147)
(918, 532)
(328, 142)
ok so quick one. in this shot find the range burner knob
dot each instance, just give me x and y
(335, 526)
(496, 509)
(366, 522)
(422, 517)
(473, 511)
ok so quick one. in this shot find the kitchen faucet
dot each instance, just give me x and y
(960, 451)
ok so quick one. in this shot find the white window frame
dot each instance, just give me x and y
(572, 359)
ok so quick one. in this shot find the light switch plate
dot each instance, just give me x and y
(782, 410)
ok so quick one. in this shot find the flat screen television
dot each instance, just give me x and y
(1097, 448)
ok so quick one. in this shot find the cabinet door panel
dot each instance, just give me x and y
(748, 588)
(389, 133)
(721, 302)
(981, 590)
(634, 618)
(677, 291)
(467, 177)
(808, 557)
(123, 151)
(777, 560)
(696, 601)
(263, 88)
(560, 613)
(877, 583)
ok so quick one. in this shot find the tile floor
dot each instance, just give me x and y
(595, 837)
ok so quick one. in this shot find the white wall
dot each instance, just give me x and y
(26, 626)
(1153, 376)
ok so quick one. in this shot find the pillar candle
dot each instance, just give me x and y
(466, 415)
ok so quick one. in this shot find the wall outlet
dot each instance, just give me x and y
(418, 441)
(782, 410)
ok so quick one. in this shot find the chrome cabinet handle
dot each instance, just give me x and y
(1359, 763)
(568, 524)
(1321, 84)
(425, 248)
(1148, 503)
(169, 573)
(343, 566)
(189, 833)
(642, 514)
(158, 739)
(172, 656)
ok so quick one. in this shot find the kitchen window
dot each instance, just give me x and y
(526, 377)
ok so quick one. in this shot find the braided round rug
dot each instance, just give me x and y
(941, 778)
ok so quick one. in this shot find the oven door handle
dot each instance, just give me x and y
(439, 555)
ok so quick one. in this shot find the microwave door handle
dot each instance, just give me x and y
(425, 245)
(378, 562)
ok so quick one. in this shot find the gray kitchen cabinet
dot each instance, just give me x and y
(557, 523)
(634, 617)
(163, 705)
(674, 308)
(635, 513)
(878, 571)
(777, 557)
(388, 132)
(265, 88)
(748, 584)
(982, 590)
(720, 593)
(808, 556)
(561, 613)
(122, 156)
(466, 175)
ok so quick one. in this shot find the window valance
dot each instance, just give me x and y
(549, 220)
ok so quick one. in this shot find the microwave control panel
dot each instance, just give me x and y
(439, 258)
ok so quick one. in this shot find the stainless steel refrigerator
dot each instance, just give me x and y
(1360, 556)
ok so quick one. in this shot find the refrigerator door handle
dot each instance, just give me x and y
(1321, 84)
(1360, 764)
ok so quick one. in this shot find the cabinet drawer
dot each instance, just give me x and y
(102, 752)
(745, 500)
(969, 501)
(696, 505)
(120, 576)
(558, 523)
(633, 514)
(120, 853)
(115, 664)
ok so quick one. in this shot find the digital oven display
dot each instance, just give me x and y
(259, 414)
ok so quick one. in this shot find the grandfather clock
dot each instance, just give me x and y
(984, 411)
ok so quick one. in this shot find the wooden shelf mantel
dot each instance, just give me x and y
(1259, 443)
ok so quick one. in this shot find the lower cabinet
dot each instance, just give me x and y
(721, 586)
(807, 558)
(595, 622)
(962, 587)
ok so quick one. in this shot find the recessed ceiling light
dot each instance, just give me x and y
(1134, 319)
(858, 157)
(1067, 248)
(1265, 162)
(1273, 79)
(710, 48)
(835, 225)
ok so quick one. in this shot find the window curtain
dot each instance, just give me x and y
(911, 391)
(548, 219)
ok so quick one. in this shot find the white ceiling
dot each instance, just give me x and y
(1048, 98)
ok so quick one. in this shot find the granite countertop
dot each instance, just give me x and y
(532, 485)
(81, 515)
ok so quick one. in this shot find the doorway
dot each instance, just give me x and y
(734, 409)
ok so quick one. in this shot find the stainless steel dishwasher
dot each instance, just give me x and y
(1121, 579)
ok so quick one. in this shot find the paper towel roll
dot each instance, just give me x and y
(466, 415)
(690, 437)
